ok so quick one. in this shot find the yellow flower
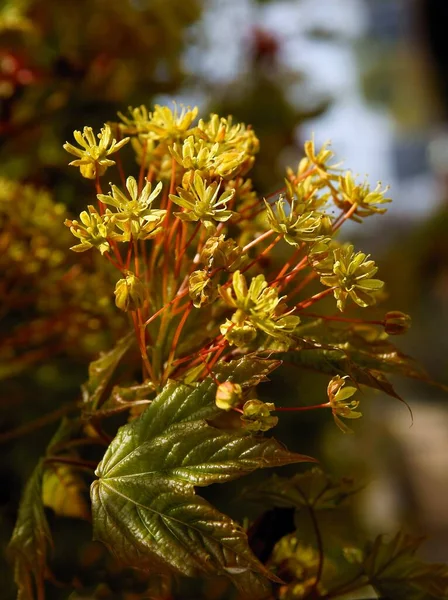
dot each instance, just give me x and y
(92, 158)
(318, 160)
(258, 307)
(367, 201)
(134, 216)
(352, 277)
(93, 230)
(211, 160)
(341, 406)
(138, 122)
(203, 202)
(299, 225)
(170, 124)
(396, 322)
(221, 253)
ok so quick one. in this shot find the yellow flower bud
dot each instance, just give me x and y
(238, 334)
(257, 415)
(201, 288)
(228, 395)
(129, 293)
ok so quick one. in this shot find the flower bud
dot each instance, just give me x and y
(257, 415)
(396, 322)
(228, 395)
(129, 293)
(201, 288)
(221, 253)
(238, 335)
(90, 170)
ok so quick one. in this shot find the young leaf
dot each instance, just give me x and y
(125, 398)
(338, 361)
(101, 370)
(313, 489)
(395, 571)
(360, 352)
(144, 503)
(30, 539)
(62, 490)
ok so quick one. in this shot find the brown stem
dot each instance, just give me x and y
(286, 266)
(340, 220)
(350, 586)
(218, 354)
(38, 423)
(257, 240)
(164, 307)
(301, 408)
(343, 319)
(82, 464)
(302, 284)
(142, 167)
(112, 262)
(184, 248)
(80, 442)
(265, 251)
(320, 547)
(40, 587)
(314, 298)
(176, 339)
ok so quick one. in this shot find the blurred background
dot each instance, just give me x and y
(369, 75)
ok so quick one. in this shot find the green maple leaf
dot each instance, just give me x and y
(314, 489)
(101, 370)
(338, 361)
(395, 571)
(311, 492)
(144, 503)
(365, 356)
(30, 539)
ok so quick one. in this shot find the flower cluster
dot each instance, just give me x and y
(258, 308)
(200, 283)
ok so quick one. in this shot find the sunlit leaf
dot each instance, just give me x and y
(62, 491)
(144, 502)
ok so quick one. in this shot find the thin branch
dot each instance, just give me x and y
(82, 464)
(38, 423)
(320, 546)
